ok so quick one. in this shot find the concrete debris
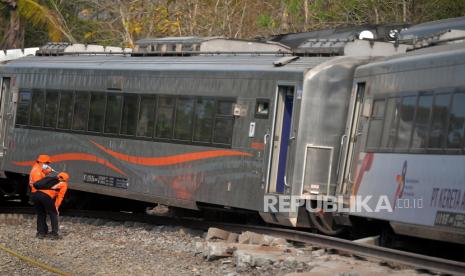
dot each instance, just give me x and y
(217, 234)
(249, 249)
(254, 238)
(259, 256)
(216, 250)
(253, 256)
(160, 210)
(233, 237)
(369, 240)
(318, 253)
(200, 248)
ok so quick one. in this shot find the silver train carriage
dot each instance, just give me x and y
(224, 130)
(208, 129)
(407, 140)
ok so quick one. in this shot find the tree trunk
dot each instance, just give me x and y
(284, 18)
(126, 36)
(14, 32)
(241, 22)
(306, 13)
(194, 5)
(404, 6)
(375, 9)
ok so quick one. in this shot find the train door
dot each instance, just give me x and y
(280, 139)
(356, 126)
(5, 86)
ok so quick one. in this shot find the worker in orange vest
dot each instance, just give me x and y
(47, 200)
(39, 170)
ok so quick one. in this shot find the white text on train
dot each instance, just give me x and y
(286, 204)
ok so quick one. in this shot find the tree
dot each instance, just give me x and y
(122, 22)
(22, 12)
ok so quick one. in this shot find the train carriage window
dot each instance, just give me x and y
(456, 122)
(146, 119)
(96, 112)
(438, 130)
(113, 113)
(224, 123)
(184, 118)
(224, 107)
(376, 124)
(223, 130)
(81, 110)
(204, 116)
(407, 115)
(130, 113)
(390, 123)
(24, 104)
(51, 108)
(165, 109)
(262, 108)
(65, 112)
(421, 127)
(37, 110)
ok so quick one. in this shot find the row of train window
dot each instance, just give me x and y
(417, 122)
(198, 120)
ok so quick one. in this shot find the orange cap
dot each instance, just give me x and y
(63, 176)
(43, 158)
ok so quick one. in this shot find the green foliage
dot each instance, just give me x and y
(35, 36)
(295, 6)
(321, 10)
(122, 22)
(41, 16)
(438, 9)
(264, 21)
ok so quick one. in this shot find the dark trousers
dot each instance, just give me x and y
(45, 205)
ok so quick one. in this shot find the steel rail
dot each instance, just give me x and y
(415, 260)
(386, 254)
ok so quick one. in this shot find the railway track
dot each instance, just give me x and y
(418, 261)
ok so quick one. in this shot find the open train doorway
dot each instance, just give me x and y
(280, 138)
(357, 125)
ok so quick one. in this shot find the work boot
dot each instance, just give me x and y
(40, 236)
(55, 236)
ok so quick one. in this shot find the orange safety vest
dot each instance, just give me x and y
(35, 175)
(57, 192)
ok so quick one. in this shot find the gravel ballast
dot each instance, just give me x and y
(96, 247)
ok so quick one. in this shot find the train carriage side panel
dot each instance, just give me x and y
(412, 158)
(176, 172)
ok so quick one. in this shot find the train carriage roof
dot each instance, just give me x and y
(449, 54)
(220, 63)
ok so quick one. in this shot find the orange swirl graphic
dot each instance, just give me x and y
(75, 157)
(172, 159)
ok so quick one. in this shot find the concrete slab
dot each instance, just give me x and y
(217, 234)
